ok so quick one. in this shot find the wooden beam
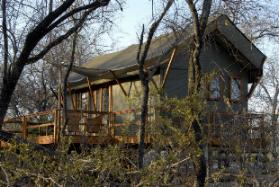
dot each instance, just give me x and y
(118, 82)
(91, 94)
(41, 126)
(168, 67)
(252, 88)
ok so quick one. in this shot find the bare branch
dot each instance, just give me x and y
(40, 30)
(59, 39)
(5, 37)
(152, 30)
(93, 6)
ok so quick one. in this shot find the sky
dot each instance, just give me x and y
(138, 12)
(135, 13)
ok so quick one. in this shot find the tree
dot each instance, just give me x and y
(145, 77)
(28, 51)
(27, 44)
(266, 96)
(195, 76)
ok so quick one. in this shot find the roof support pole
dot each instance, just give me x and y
(91, 94)
(168, 67)
(252, 88)
(118, 82)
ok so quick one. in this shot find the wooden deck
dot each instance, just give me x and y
(82, 127)
(90, 127)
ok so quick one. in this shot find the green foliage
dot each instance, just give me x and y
(101, 166)
(173, 144)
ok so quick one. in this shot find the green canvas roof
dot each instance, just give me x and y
(123, 62)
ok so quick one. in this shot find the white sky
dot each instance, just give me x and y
(135, 13)
(138, 12)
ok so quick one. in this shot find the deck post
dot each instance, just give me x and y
(57, 125)
(110, 130)
(101, 99)
(54, 127)
(24, 128)
(56, 122)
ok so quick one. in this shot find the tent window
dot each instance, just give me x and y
(214, 89)
(84, 101)
(235, 91)
(105, 100)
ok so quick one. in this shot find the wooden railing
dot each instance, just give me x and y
(103, 124)
(87, 123)
(41, 127)
(45, 127)
(249, 130)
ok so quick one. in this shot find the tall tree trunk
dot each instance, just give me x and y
(200, 165)
(8, 87)
(144, 77)
(143, 119)
(194, 82)
(274, 119)
(65, 104)
(194, 79)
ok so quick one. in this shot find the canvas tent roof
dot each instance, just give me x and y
(124, 62)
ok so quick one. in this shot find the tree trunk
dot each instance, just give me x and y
(143, 118)
(274, 130)
(194, 87)
(200, 166)
(145, 78)
(8, 87)
(194, 78)
(65, 104)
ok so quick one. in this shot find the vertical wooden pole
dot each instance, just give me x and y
(59, 89)
(101, 99)
(110, 111)
(95, 99)
(88, 102)
(24, 128)
(56, 119)
(54, 123)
